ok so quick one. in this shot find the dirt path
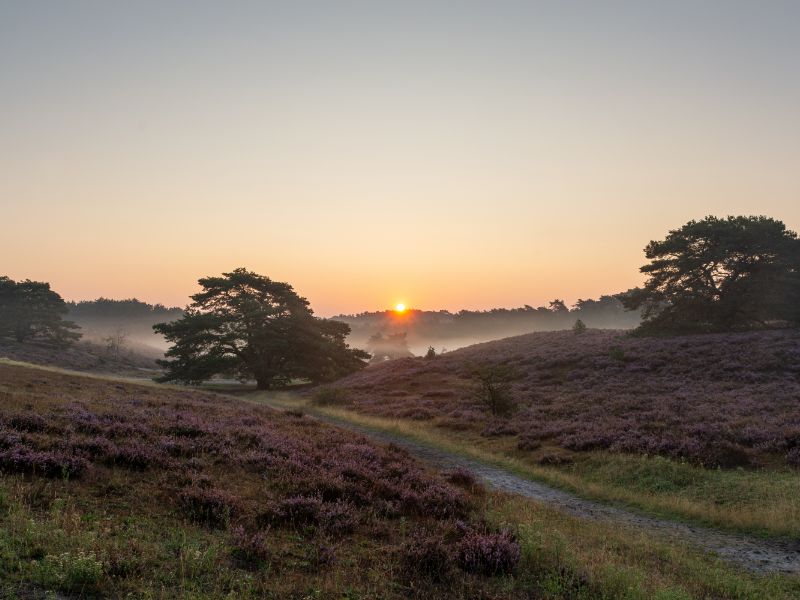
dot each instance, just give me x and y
(754, 554)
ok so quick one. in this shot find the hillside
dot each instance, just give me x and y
(83, 356)
(122, 490)
(718, 400)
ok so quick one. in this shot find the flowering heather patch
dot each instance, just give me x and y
(22, 459)
(250, 546)
(207, 505)
(718, 400)
(138, 455)
(488, 553)
(289, 491)
(27, 422)
(428, 555)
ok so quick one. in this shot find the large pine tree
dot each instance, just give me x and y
(246, 326)
(30, 310)
(720, 275)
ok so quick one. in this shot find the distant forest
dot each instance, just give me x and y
(104, 308)
(444, 329)
(130, 319)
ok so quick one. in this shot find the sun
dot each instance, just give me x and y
(399, 307)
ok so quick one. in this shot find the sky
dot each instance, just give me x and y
(446, 155)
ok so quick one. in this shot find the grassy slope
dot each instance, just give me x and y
(710, 390)
(119, 531)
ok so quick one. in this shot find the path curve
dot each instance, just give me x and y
(754, 554)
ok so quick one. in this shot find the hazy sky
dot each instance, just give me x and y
(448, 155)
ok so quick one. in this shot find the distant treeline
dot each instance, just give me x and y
(126, 309)
(451, 330)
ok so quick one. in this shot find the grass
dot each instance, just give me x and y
(760, 502)
(571, 558)
(55, 537)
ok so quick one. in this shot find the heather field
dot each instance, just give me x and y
(705, 427)
(115, 488)
(112, 489)
(718, 400)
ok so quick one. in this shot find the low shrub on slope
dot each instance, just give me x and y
(719, 400)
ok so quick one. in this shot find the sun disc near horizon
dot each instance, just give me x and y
(399, 307)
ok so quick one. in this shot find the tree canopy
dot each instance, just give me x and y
(720, 275)
(30, 310)
(247, 326)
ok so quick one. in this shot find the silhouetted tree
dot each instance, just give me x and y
(115, 341)
(30, 310)
(247, 326)
(431, 353)
(493, 388)
(720, 274)
(579, 327)
(557, 306)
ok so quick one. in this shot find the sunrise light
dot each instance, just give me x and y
(400, 308)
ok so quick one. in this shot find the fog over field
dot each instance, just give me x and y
(131, 321)
(445, 330)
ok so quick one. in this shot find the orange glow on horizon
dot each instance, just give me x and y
(400, 308)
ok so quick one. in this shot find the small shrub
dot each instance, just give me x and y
(32, 422)
(329, 396)
(80, 571)
(322, 556)
(554, 459)
(96, 447)
(294, 510)
(488, 553)
(436, 499)
(529, 443)
(428, 556)
(338, 518)
(431, 353)
(724, 455)
(47, 463)
(137, 456)
(579, 327)
(250, 547)
(617, 353)
(463, 478)
(493, 389)
(499, 428)
(207, 505)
